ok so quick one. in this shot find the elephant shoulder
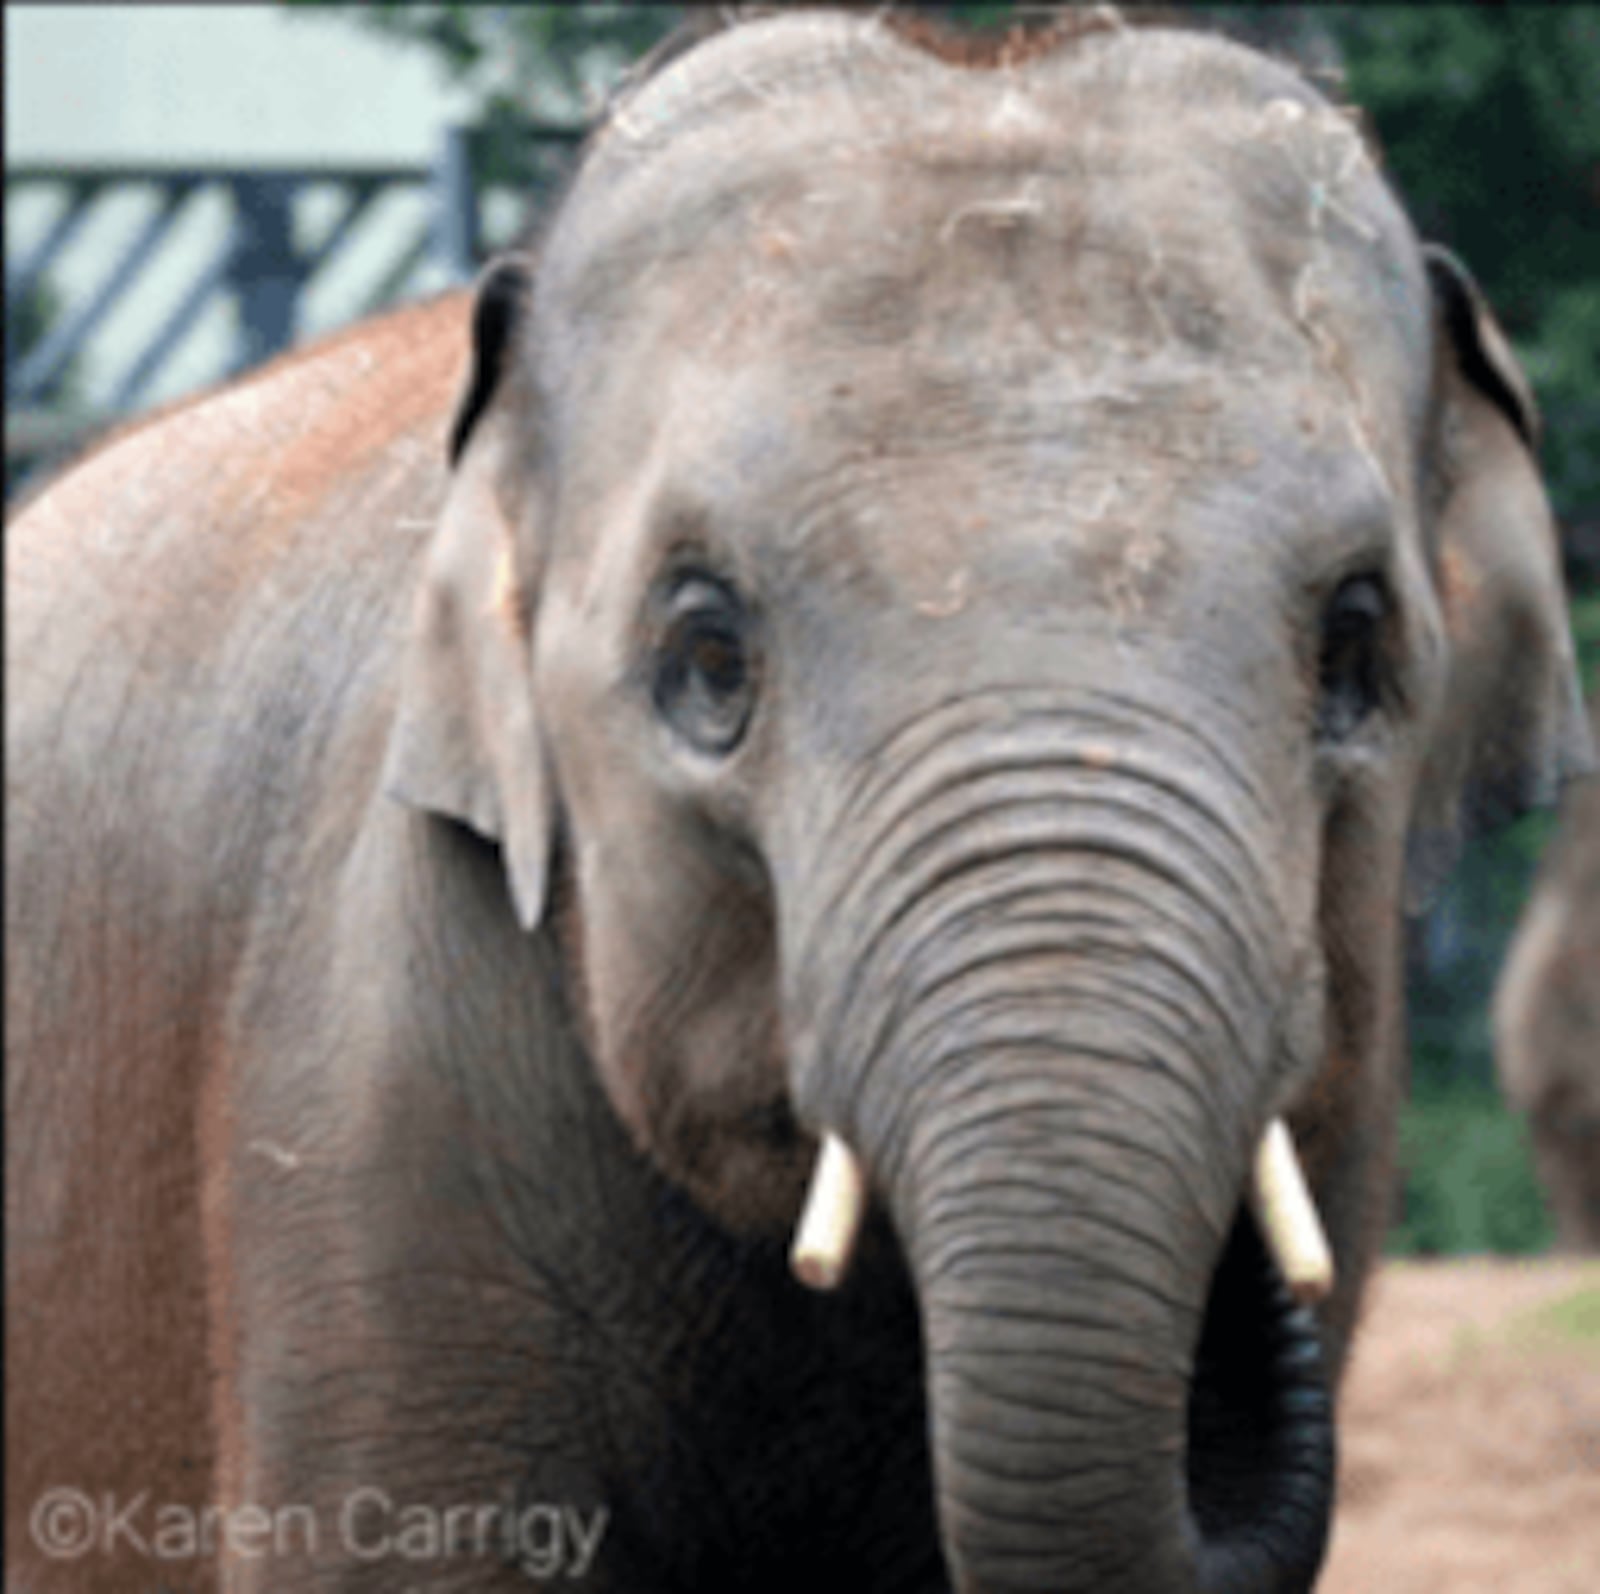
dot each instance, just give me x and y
(203, 614)
(329, 447)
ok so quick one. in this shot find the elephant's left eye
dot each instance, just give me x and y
(704, 676)
(1350, 668)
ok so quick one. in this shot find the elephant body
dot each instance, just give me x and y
(255, 1158)
(1547, 1021)
(907, 634)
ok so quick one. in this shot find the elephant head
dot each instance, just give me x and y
(976, 584)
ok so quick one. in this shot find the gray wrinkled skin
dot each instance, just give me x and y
(419, 1040)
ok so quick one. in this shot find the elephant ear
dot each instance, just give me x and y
(1511, 728)
(465, 743)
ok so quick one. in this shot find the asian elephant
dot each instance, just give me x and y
(1547, 1018)
(973, 585)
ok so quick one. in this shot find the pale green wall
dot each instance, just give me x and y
(205, 82)
(211, 82)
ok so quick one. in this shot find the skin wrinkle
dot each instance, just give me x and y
(916, 799)
(870, 1064)
(950, 1094)
(1012, 941)
(1104, 1369)
(941, 1263)
(1177, 1042)
(964, 1383)
(967, 1111)
(1151, 1013)
(1089, 1329)
(1069, 1487)
(929, 991)
(999, 764)
(961, 1324)
(880, 1045)
(983, 817)
(887, 761)
(1126, 1389)
(872, 868)
(1018, 849)
(933, 1087)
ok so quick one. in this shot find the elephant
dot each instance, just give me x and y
(1547, 1018)
(939, 617)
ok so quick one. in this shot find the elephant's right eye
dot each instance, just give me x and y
(704, 673)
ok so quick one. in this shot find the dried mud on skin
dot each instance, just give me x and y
(1471, 1433)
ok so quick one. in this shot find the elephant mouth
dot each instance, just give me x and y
(1260, 1455)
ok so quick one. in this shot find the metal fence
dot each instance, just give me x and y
(263, 263)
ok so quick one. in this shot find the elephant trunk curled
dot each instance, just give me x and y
(1058, 1008)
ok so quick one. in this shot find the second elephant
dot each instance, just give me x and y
(1547, 1019)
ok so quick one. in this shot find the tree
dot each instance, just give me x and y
(554, 63)
(1490, 120)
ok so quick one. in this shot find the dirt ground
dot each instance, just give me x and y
(1471, 1433)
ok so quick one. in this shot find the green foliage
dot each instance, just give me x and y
(30, 318)
(1468, 1182)
(976, 15)
(553, 62)
(1586, 632)
(1571, 1320)
(552, 55)
(1490, 121)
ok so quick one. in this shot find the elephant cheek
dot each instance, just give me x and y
(674, 989)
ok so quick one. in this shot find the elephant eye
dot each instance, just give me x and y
(704, 676)
(1350, 667)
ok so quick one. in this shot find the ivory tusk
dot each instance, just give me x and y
(831, 1217)
(1288, 1217)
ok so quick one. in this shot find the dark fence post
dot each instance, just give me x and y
(29, 382)
(258, 265)
(456, 241)
(267, 274)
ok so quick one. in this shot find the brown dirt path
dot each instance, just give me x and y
(1471, 1433)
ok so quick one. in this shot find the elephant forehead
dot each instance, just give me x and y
(1158, 189)
(935, 493)
(1092, 293)
(979, 270)
(971, 299)
(978, 258)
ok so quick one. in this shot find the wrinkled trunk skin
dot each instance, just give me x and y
(1064, 995)
(1061, 1303)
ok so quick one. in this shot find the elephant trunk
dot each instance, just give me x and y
(1055, 1047)
(1118, 1399)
